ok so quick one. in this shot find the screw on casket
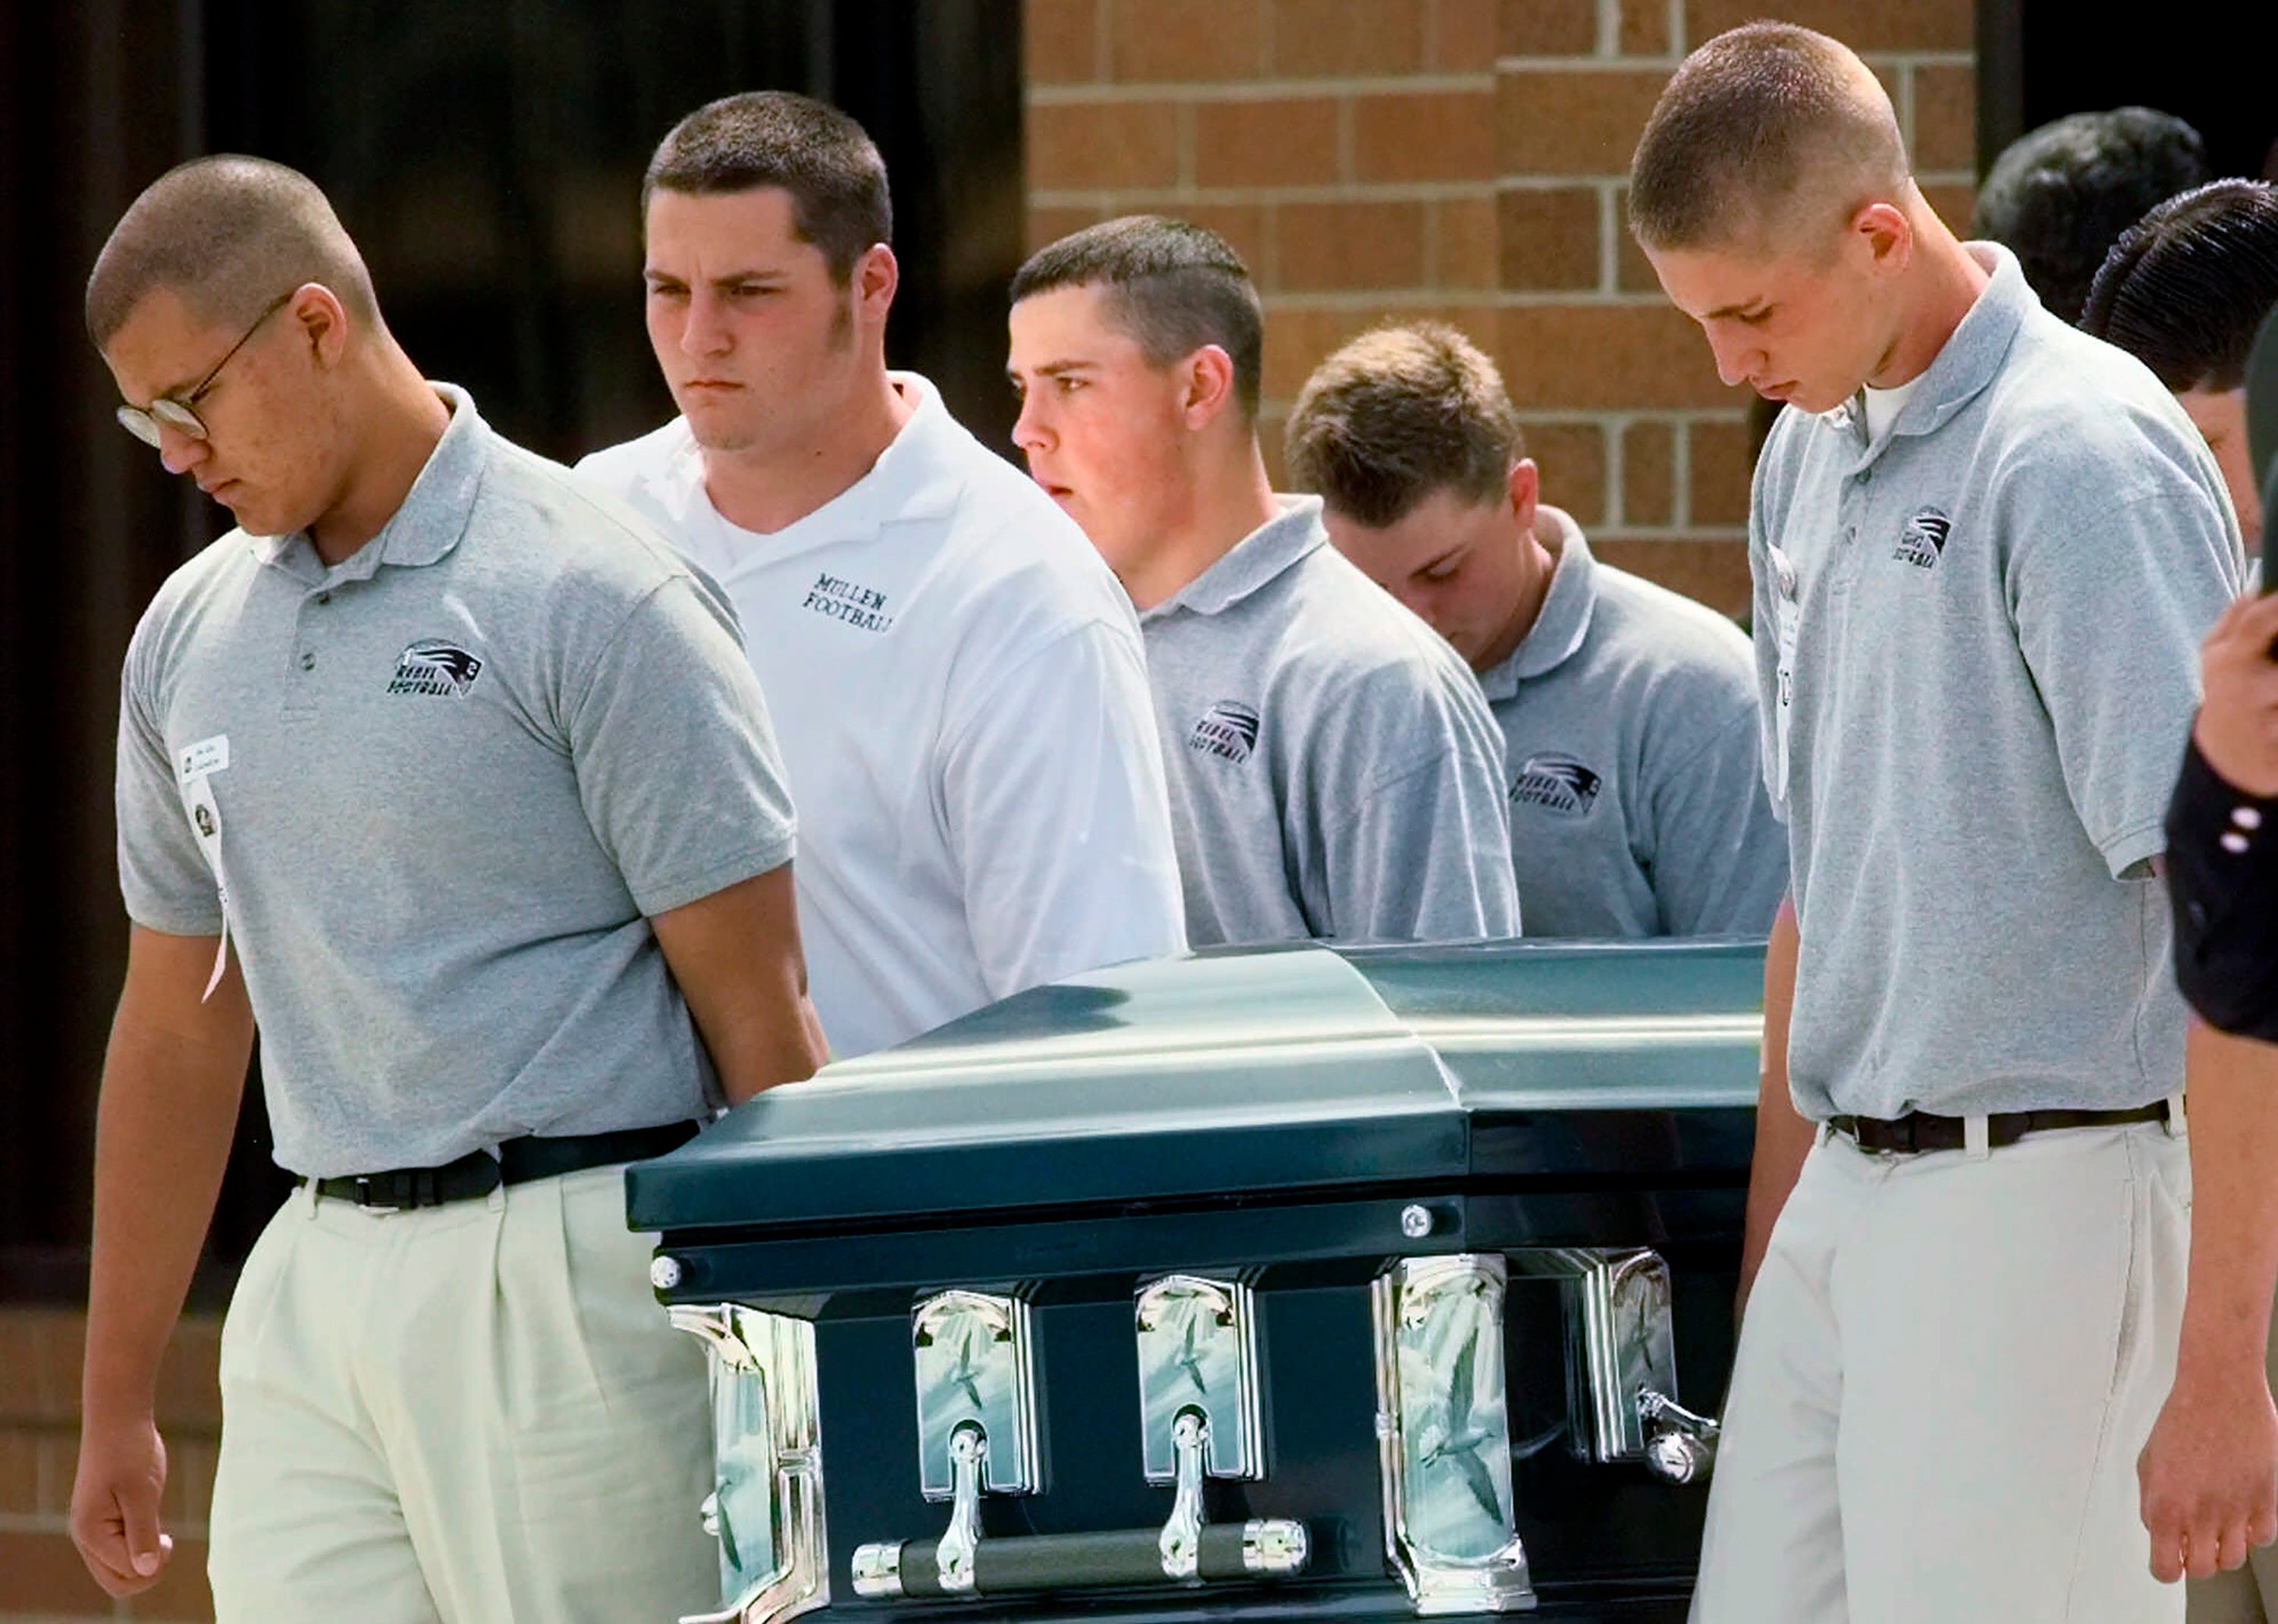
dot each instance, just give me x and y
(664, 1273)
(1416, 1221)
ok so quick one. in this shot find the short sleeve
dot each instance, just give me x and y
(677, 764)
(163, 875)
(2111, 600)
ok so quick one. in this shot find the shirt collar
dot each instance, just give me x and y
(1563, 621)
(1970, 357)
(430, 519)
(1255, 561)
(916, 477)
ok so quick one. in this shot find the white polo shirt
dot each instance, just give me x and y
(960, 698)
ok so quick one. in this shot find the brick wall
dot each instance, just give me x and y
(41, 1575)
(1463, 159)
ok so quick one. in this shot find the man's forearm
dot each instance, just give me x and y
(171, 1083)
(1783, 1136)
(2232, 1088)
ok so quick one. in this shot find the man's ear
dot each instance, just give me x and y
(322, 322)
(1887, 234)
(1207, 381)
(1524, 491)
(878, 274)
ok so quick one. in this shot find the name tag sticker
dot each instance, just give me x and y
(1787, 626)
(205, 756)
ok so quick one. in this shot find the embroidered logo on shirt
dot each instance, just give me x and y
(1923, 543)
(862, 607)
(443, 670)
(1556, 784)
(1227, 730)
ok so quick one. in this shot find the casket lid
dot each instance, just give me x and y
(1250, 1070)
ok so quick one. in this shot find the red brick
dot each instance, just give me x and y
(1314, 38)
(1241, 224)
(1863, 24)
(1549, 238)
(1350, 244)
(59, 1463)
(43, 1574)
(40, 1353)
(1103, 146)
(1470, 243)
(1547, 27)
(1645, 28)
(1298, 340)
(1953, 204)
(1430, 135)
(1632, 271)
(1272, 444)
(1183, 40)
(1048, 226)
(1649, 474)
(1946, 117)
(1583, 122)
(1711, 569)
(1060, 41)
(1721, 466)
(1287, 141)
(1608, 358)
(190, 1466)
(1572, 458)
(1463, 35)
(19, 1474)
(189, 1380)
(181, 1591)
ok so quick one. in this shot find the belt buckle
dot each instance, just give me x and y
(363, 1197)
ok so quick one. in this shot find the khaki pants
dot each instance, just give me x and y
(1947, 1369)
(469, 1415)
(2249, 1595)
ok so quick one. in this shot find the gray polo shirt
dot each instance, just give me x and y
(1978, 645)
(1637, 794)
(446, 781)
(1333, 771)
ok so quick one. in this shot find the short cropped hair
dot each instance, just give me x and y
(1767, 130)
(2059, 196)
(228, 234)
(2186, 288)
(1398, 415)
(827, 163)
(1172, 286)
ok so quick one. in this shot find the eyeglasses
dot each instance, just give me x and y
(179, 412)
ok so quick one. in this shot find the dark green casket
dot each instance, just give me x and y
(1275, 1284)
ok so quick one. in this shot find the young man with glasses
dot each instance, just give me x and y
(388, 791)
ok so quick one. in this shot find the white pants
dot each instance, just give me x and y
(473, 1413)
(1947, 1370)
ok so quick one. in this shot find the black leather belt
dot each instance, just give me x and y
(1919, 1131)
(518, 1161)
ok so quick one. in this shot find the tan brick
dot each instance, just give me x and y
(44, 1576)
(59, 1464)
(1863, 24)
(1953, 204)
(1720, 466)
(1285, 141)
(40, 1353)
(19, 1366)
(1316, 38)
(1298, 340)
(189, 1379)
(190, 1466)
(1470, 243)
(181, 1591)
(1946, 117)
(1243, 224)
(1272, 443)
(1713, 571)
(19, 1474)
(1649, 474)
(1549, 239)
(1060, 41)
(1184, 40)
(1103, 146)
(1572, 458)
(1463, 35)
(1368, 245)
(1047, 226)
(1608, 358)
(1645, 28)
(1632, 271)
(1572, 123)
(1547, 27)
(1430, 135)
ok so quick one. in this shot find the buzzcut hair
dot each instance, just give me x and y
(228, 234)
(1764, 136)
(2059, 196)
(827, 161)
(2187, 287)
(1172, 286)
(1398, 415)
